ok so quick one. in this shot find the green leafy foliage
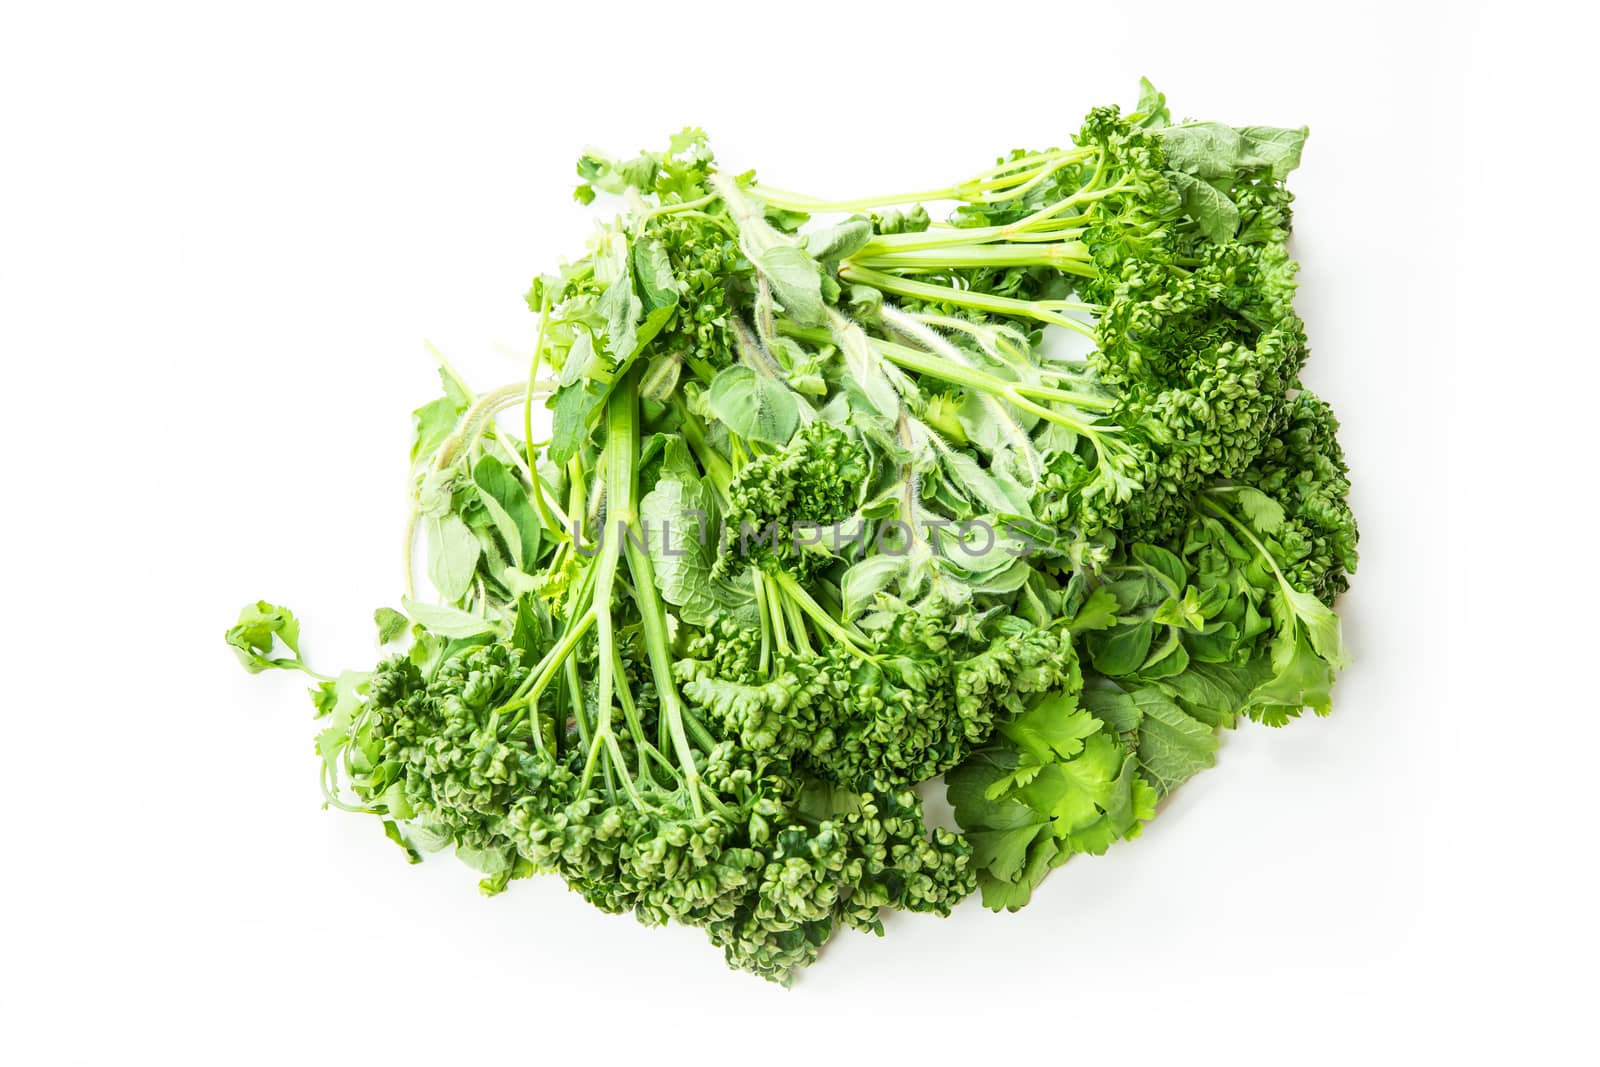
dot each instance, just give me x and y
(391, 624)
(260, 629)
(1055, 783)
(820, 519)
(754, 406)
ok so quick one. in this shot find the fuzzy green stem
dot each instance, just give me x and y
(1038, 310)
(539, 502)
(1007, 179)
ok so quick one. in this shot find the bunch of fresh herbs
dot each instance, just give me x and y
(826, 511)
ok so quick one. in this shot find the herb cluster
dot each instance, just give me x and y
(729, 734)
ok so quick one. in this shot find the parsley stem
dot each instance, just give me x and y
(764, 617)
(846, 635)
(1068, 257)
(1038, 310)
(539, 502)
(1012, 177)
(687, 205)
(944, 237)
(652, 617)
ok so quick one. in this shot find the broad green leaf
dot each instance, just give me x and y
(1014, 894)
(652, 325)
(796, 280)
(1007, 578)
(864, 367)
(989, 492)
(1163, 563)
(427, 837)
(570, 425)
(1302, 679)
(683, 551)
(1212, 210)
(530, 631)
(1210, 150)
(658, 287)
(452, 555)
(1129, 802)
(392, 831)
(455, 390)
(1183, 612)
(830, 244)
(581, 360)
(515, 516)
(866, 579)
(619, 304)
(983, 547)
(1002, 832)
(486, 861)
(1321, 624)
(754, 406)
(1125, 806)
(1214, 644)
(646, 332)
(1214, 693)
(432, 425)
(1139, 588)
(1166, 659)
(1112, 705)
(1204, 150)
(1074, 792)
(447, 621)
(795, 277)
(1172, 744)
(1122, 650)
(1269, 146)
(661, 377)
(1151, 110)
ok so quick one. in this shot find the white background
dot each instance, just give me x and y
(227, 231)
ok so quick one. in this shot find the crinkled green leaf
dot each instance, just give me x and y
(1273, 147)
(1173, 746)
(681, 520)
(619, 304)
(391, 624)
(260, 626)
(1212, 210)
